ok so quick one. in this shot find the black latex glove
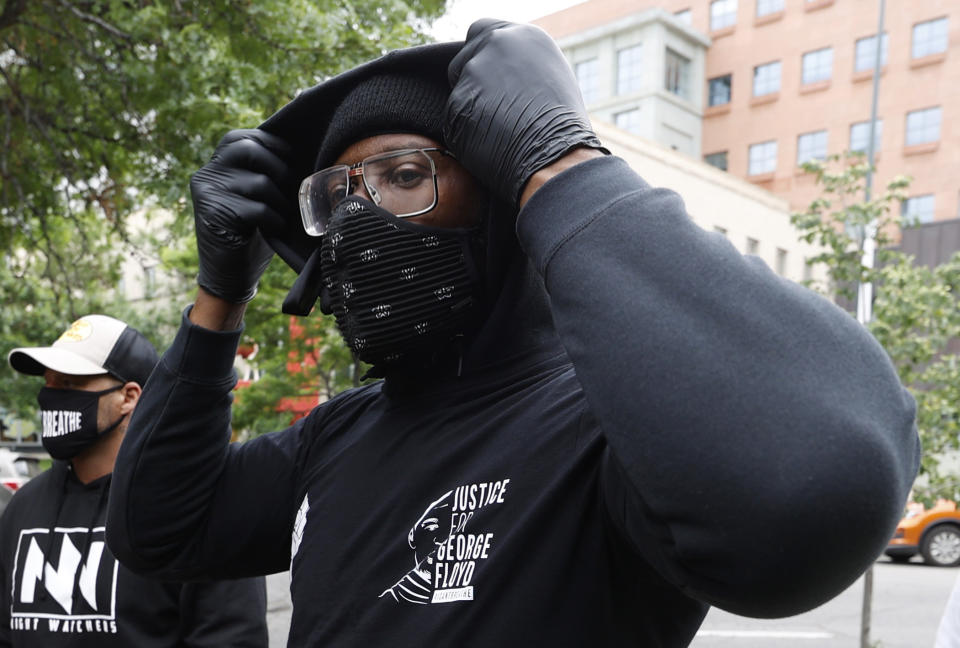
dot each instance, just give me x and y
(515, 106)
(236, 195)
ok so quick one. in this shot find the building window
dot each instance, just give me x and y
(723, 13)
(753, 246)
(811, 146)
(929, 37)
(677, 74)
(865, 52)
(923, 126)
(763, 158)
(818, 65)
(918, 209)
(149, 281)
(629, 69)
(781, 262)
(720, 230)
(684, 16)
(588, 76)
(765, 7)
(719, 90)
(718, 160)
(628, 120)
(766, 79)
(860, 136)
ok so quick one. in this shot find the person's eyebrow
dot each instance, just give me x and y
(409, 144)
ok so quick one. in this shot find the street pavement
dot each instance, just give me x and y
(908, 601)
(278, 608)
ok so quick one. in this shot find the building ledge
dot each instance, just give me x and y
(932, 59)
(769, 18)
(723, 31)
(919, 149)
(866, 75)
(816, 86)
(713, 111)
(770, 97)
(761, 178)
(816, 4)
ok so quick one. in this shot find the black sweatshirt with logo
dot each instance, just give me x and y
(648, 423)
(61, 585)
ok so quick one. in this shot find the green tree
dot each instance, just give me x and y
(915, 307)
(108, 106)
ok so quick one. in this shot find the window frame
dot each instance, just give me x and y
(817, 150)
(756, 75)
(922, 113)
(878, 136)
(595, 78)
(710, 93)
(681, 74)
(869, 56)
(766, 155)
(905, 208)
(816, 66)
(945, 37)
(726, 19)
(726, 160)
(635, 111)
(763, 3)
(634, 82)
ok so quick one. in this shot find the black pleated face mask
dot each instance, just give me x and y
(398, 290)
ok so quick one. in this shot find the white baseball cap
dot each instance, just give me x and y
(94, 344)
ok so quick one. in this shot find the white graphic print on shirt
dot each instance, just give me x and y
(446, 553)
(77, 594)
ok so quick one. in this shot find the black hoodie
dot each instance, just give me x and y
(648, 423)
(61, 585)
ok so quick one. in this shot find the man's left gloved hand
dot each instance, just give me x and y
(515, 106)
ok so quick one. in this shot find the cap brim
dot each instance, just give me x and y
(34, 361)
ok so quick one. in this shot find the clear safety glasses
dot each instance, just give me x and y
(403, 182)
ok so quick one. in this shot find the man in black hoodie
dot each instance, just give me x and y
(61, 586)
(596, 420)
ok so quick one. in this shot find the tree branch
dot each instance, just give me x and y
(11, 13)
(96, 21)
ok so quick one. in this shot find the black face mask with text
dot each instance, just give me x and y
(68, 420)
(398, 290)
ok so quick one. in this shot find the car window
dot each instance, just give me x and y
(5, 495)
(27, 467)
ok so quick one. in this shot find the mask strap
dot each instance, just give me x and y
(303, 295)
(107, 391)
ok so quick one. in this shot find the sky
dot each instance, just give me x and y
(460, 13)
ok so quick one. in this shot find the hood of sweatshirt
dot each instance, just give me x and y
(514, 319)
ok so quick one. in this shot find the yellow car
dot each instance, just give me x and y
(933, 533)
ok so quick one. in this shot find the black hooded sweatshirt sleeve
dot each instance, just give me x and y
(758, 446)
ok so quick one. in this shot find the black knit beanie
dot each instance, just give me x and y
(387, 103)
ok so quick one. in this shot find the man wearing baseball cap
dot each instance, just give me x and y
(61, 584)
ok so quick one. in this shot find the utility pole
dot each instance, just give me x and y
(868, 247)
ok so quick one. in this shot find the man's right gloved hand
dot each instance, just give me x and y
(236, 195)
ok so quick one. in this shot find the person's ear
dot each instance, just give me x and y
(131, 395)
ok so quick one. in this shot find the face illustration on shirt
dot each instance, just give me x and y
(430, 531)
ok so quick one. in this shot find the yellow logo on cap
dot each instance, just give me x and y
(78, 331)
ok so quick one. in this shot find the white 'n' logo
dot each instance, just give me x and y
(59, 581)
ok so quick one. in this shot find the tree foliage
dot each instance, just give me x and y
(108, 106)
(915, 307)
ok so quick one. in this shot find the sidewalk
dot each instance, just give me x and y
(279, 608)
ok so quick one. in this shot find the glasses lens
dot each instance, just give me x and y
(402, 182)
(319, 193)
